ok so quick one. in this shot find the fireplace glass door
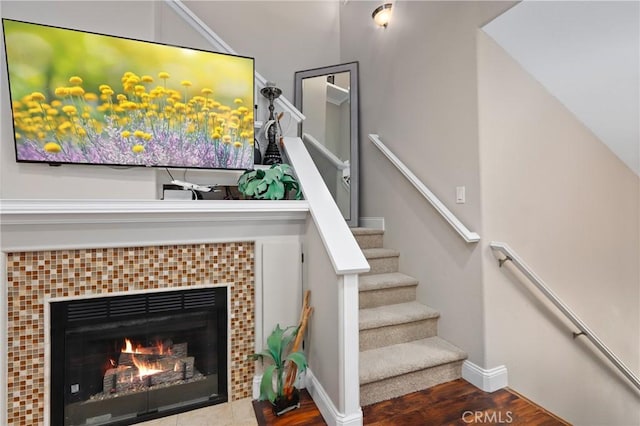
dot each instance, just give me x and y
(126, 359)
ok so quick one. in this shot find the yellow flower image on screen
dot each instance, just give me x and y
(79, 97)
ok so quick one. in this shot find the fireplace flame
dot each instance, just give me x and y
(142, 365)
(159, 349)
(146, 368)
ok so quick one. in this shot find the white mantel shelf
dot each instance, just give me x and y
(63, 224)
(52, 211)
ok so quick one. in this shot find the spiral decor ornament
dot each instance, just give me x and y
(272, 156)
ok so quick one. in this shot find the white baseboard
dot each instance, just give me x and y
(327, 408)
(255, 387)
(488, 380)
(371, 222)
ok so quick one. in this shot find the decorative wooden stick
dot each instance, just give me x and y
(304, 316)
(292, 369)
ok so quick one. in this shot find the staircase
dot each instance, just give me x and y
(400, 351)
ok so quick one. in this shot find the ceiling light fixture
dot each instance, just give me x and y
(382, 15)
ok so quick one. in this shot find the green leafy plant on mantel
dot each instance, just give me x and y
(278, 343)
(273, 183)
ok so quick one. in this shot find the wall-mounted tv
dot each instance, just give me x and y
(84, 98)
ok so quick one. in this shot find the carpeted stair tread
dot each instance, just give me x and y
(366, 231)
(378, 253)
(403, 358)
(382, 281)
(401, 313)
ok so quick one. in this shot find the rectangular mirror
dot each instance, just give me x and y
(328, 97)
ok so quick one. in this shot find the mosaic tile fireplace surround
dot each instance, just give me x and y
(34, 277)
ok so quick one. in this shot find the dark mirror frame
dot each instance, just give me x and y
(354, 181)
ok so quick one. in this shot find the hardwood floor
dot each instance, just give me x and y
(458, 403)
(307, 414)
(452, 403)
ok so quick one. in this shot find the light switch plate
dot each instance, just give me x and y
(460, 195)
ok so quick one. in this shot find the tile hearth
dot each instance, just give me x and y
(35, 277)
(236, 413)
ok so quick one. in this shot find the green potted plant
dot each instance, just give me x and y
(273, 183)
(284, 397)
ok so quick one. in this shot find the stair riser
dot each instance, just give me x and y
(401, 333)
(387, 296)
(383, 265)
(369, 241)
(394, 387)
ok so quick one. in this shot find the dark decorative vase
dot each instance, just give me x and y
(272, 155)
(283, 405)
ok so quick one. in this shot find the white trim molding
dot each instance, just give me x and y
(49, 211)
(348, 345)
(327, 408)
(488, 380)
(255, 386)
(31, 225)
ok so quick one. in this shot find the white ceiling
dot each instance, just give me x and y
(587, 54)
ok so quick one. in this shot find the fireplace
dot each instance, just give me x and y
(37, 279)
(125, 359)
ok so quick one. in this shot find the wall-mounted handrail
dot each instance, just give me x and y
(511, 256)
(203, 29)
(465, 233)
(333, 159)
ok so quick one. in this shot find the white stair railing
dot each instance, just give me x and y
(511, 256)
(343, 250)
(203, 29)
(348, 261)
(465, 233)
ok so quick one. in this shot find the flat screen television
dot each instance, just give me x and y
(84, 98)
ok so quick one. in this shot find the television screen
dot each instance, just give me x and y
(85, 98)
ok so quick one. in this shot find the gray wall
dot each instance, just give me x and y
(605, 82)
(283, 36)
(321, 343)
(570, 208)
(418, 92)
